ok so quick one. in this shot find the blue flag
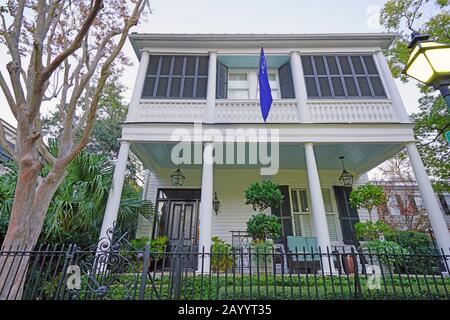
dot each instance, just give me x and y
(265, 94)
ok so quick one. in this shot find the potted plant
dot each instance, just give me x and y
(222, 258)
(263, 227)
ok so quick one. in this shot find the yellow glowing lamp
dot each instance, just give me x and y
(429, 61)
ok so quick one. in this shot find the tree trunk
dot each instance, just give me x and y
(30, 206)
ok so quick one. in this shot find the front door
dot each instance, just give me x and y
(182, 224)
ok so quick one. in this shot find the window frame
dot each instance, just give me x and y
(353, 75)
(252, 82)
(170, 77)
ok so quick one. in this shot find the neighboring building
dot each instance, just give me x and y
(10, 132)
(405, 207)
(333, 95)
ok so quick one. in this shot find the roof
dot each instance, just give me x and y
(250, 40)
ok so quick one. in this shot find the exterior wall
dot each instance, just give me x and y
(230, 185)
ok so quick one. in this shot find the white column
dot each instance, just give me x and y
(211, 88)
(390, 87)
(299, 86)
(206, 208)
(435, 215)
(318, 215)
(138, 85)
(115, 193)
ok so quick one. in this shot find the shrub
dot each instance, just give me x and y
(263, 195)
(222, 258)
(262, 227)
(369, 230)
(390, 253)
(367, 197)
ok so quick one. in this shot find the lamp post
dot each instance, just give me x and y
(429, 63)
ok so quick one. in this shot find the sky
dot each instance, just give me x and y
(251, 16)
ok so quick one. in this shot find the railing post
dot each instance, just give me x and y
(67, 262)
(356, 273)
(144, 272)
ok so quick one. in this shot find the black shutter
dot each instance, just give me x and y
(283, 212)
(286, 85)
(444, 204)
(222, 81)
(348, 215)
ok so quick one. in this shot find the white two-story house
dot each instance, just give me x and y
(333, 95)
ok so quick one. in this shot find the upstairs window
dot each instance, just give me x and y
(240, 83)
(341, 76)
(176, 77)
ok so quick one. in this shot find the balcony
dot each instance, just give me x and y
(282, 111)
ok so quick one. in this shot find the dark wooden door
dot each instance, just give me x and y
(348, 215)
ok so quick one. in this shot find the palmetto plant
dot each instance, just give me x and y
(76, 210)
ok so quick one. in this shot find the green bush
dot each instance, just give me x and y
(221, 258)
(262, 227)
(263, 195)
(367, 197)
(369, 230)
(390, 253)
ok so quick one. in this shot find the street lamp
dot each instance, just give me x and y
(429, 63)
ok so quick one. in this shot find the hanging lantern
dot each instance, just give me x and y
(216, 203)
(346, 177)
(177, 177)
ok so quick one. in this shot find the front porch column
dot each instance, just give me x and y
(318, 215)
(299, 86)
(434, 212)
(206, 209)
(115, 193)
(211, 87)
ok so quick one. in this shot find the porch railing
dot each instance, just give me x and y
(72, 273)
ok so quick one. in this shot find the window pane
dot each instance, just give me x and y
(311, 87)
(307, 66)
(370, 65)
(238, 77)
(377, 86)
(324, 87)
(148, 87)
(345, 65)
(326, 193)
(178, 65)
(294, 199)
(332, 229)
(320, 65)
(338, 87)
(162, 87)
(237, 94)
(190, 66)
(188, 87)
(203, 66)
(304, 201)
(201, 88)
(165, 66)
(272, 76)
(332, 65)
(351, 86)
(357, 65)
(364, 86)
(175, 87)
(153, 65)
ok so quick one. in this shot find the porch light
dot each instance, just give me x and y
(216, 203)
(346, 177)
(177, 177)
(429, 63)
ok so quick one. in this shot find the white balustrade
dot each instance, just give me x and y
(248, 111)
(350, 111)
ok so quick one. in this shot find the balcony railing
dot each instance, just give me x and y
(248, 111)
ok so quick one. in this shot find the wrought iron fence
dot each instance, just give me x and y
(118, 271)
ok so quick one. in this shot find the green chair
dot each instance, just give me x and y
(304, 257)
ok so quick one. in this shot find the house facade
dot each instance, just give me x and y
(195, 107)
(10, 133)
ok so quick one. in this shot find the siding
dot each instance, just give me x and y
(230, 185)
